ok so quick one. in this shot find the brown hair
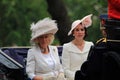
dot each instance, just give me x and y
(86, 34)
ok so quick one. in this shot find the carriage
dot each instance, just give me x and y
(13, 62)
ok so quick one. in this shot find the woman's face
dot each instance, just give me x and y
(44, 40)
(79, 32)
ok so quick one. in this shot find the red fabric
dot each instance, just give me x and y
(114, 9)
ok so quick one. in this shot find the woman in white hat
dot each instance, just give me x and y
(76, 52)
(43, 62)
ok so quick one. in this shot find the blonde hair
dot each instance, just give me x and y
(35, 43)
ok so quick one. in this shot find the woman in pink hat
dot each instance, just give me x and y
(76, 52)
(43, 62)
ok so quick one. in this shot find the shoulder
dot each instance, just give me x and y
(52, 47)
(101, 43)
(101, 40)
(68, 45)
(30, 50)
(89, 42)
(33, 50)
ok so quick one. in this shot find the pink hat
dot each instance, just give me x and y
(42, 27)
(86, 21)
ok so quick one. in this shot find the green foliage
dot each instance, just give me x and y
(77, 9)
(17, 15)
(15, 19)
(56, 42)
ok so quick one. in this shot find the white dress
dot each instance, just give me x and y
(37, 64)
(73, 57)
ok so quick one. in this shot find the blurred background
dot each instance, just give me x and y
(16, 17)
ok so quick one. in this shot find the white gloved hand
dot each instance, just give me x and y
(50, 78)
(61, 76)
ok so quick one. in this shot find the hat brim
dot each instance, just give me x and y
(52, 31)
(75, 23)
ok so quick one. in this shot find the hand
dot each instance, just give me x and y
(61, 76)
(38, 78)
(50, 78)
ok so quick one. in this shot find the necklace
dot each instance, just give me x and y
(44, 50)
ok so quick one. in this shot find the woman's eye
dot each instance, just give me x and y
(82, 29)
(79, 30)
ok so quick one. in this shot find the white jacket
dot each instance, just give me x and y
(36, 64)
(72, 58)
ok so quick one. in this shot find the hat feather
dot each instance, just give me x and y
(86, 21)
(32, 26)
(43, 26)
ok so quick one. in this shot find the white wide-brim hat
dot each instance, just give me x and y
(45, 26)
(86, 22)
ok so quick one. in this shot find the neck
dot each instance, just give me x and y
(78, 42)
(44, 50)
